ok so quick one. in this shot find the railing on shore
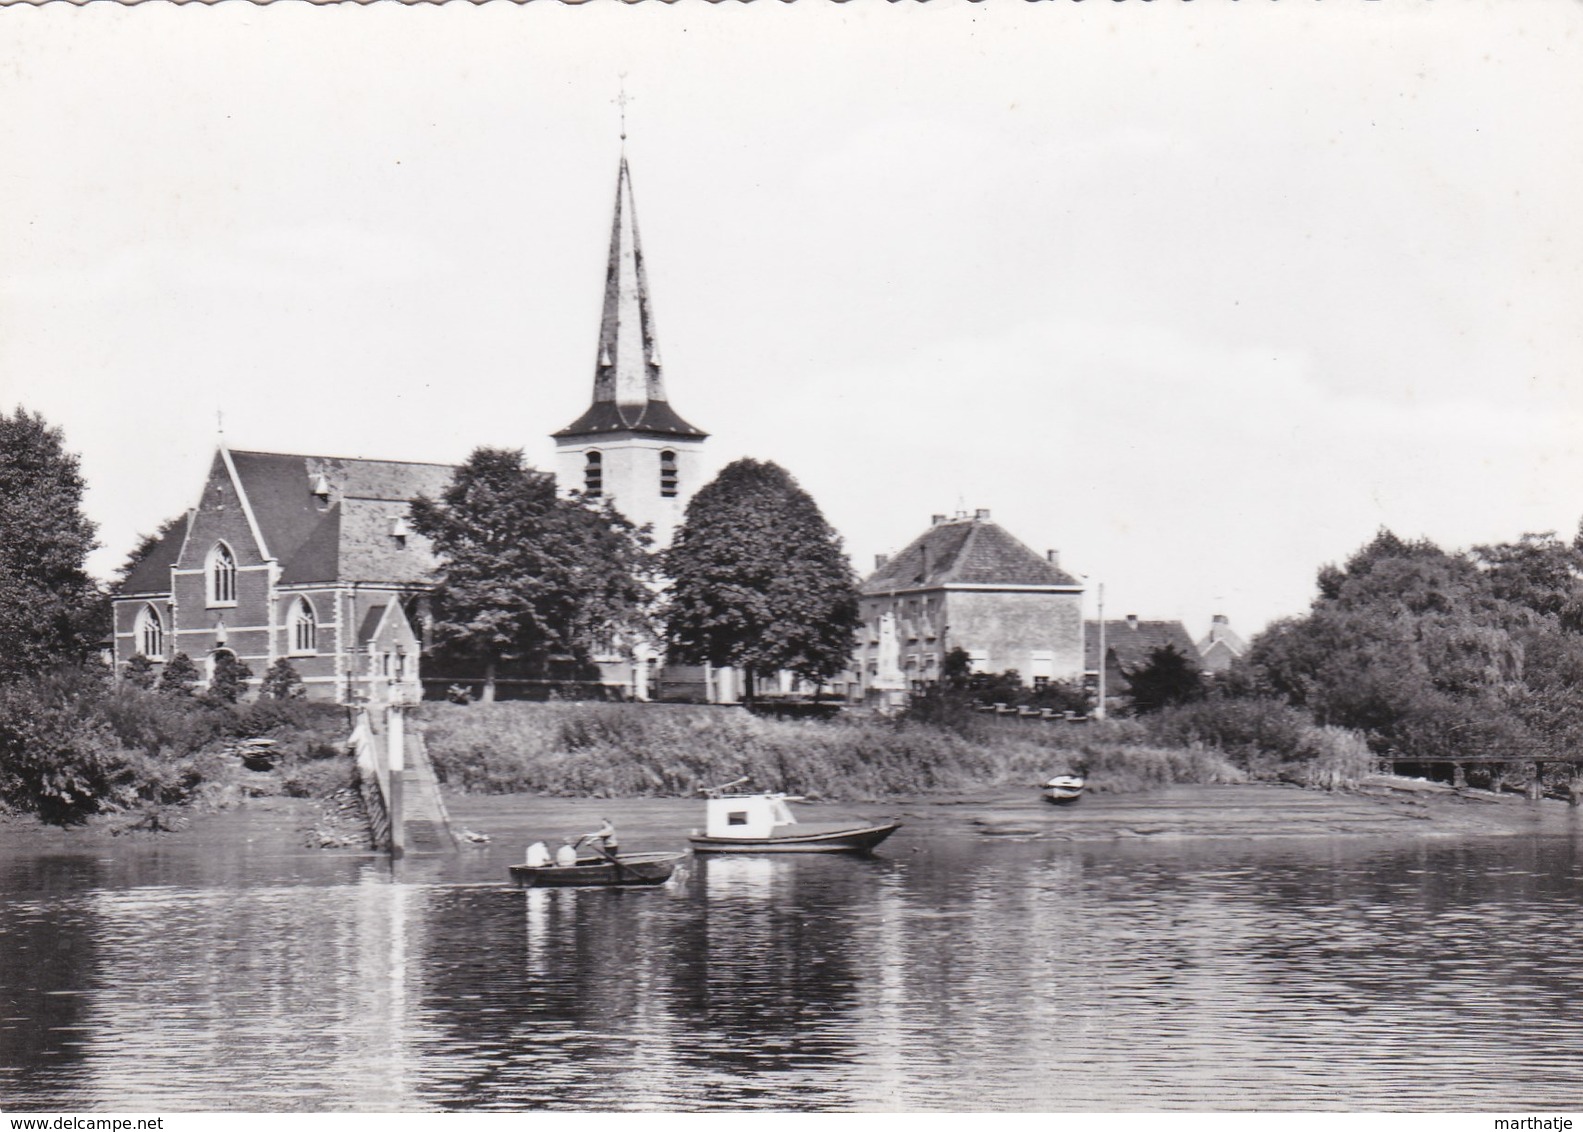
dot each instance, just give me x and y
(1394, 761)
(1030, 714)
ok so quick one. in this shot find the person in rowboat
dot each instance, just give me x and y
(604, 838)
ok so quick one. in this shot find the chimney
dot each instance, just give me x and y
(981, 515)
(1053, 557)
(880, 560)
(1132, 621)
(936, 520)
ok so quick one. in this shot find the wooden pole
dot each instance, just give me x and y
(1459, 777)
(1536, 788)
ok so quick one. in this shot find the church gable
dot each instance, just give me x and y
(222, 516)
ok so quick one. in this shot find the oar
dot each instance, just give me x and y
(605, 853)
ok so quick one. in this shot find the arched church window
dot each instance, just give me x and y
(668, 476)
(150, 633)
(222, 575)
(304, 627)
(594, 475)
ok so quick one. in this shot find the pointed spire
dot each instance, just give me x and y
(626, 332)
(629, 390)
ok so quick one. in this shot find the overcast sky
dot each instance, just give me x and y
(1201, 295)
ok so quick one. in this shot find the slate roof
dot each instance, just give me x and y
(1132, 641)
(152, 574)
(652, 417)
(345, 536)
(965, 551)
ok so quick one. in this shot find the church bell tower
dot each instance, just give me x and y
(630, 446)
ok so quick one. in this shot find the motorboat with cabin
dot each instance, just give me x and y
(764, 823)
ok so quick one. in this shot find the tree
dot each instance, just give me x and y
(50, 610)
(179, 676)
(282, 682)
(759, 580)
(1168, 677)
(526, 575)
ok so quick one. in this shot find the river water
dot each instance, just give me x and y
(951, 971)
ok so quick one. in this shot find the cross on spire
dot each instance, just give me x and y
(621, 101)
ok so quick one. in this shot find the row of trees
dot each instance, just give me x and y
(1436, 653)
(754, 579)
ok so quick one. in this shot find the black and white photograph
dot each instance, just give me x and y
(791, 558)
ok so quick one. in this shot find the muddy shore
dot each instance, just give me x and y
(1381, 807)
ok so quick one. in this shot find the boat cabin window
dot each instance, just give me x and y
(737, 817)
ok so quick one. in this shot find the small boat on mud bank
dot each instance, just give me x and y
(1063, 788)
(763, 823)
(629, 870)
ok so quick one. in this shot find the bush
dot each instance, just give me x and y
(56, 759)
(281, 682)
(180, 675)
(229, 679)
(139, 672)
(1267, 738)
(74, 744)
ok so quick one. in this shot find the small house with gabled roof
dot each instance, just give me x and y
(309, 558)
(967, 583)
(1221, 645)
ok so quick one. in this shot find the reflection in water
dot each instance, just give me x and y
(964, 974)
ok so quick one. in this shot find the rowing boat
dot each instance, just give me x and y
(629, 870)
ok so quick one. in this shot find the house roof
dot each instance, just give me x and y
(343, 533)
(1220, 633)
(1131, 641)
(152, 574)
(964, 551)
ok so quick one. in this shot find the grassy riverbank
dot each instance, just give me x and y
(631, 750)
(76, 746)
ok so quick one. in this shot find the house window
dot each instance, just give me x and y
(222, 575)
(593, 475)
(668, 477)
(303, 627)
(150, 633)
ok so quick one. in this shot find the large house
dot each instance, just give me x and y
(311, 558)
(966, 583)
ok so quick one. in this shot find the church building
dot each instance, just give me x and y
(307, 558)
(311, 558)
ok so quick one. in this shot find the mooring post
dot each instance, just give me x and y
(1536, 788)
(396, 760)
(1575, 787)
(1459, 777)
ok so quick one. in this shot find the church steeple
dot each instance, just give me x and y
(629, 383)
